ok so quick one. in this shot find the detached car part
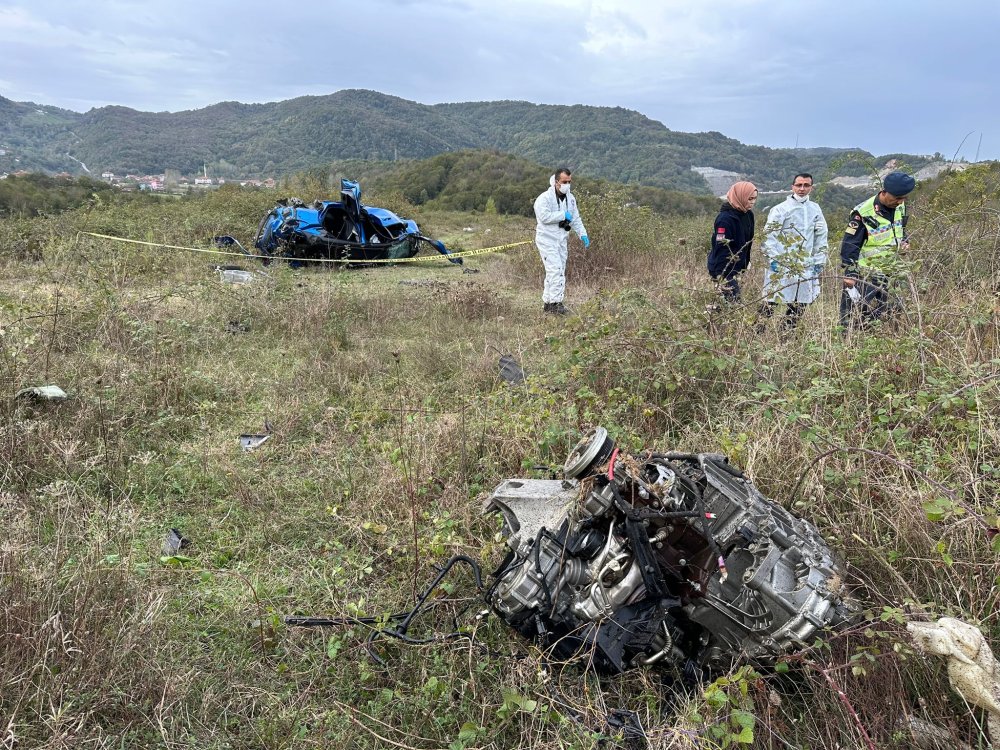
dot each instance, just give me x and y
(669, 559)
(343, 230)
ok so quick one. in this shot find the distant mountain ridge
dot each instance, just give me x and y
(232, 139)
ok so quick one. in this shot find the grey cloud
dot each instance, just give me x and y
(761, 72)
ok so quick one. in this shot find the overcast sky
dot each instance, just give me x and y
(889, 76)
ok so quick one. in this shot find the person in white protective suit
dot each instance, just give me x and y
(796, 246)
(557, 214)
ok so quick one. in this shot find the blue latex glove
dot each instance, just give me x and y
(774, 266)
(569, 216)
(817, 269)
(586, 241)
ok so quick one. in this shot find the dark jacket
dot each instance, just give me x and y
(732, 238)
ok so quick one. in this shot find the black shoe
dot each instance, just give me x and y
(549, 307)
(560, 309)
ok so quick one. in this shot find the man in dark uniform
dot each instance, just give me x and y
(874, 238)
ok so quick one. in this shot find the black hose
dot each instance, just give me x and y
(405, 618)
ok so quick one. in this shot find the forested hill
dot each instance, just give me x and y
(627, 146)
(234, 139)
(492, 181)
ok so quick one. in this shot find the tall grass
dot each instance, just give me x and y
(389, 423)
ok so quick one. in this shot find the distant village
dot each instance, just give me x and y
(169, 182)
(158, 183)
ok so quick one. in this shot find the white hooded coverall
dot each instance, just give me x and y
(550, 238)
(797, 240)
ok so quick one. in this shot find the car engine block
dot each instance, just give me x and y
(669, 559)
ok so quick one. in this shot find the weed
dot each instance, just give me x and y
(389, 422)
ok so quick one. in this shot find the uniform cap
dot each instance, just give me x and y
(898, 184)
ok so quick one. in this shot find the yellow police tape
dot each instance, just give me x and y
(414, 259)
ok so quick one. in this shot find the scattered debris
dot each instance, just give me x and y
(344, 230)
(235, 276)
(43, 393)
(511, 371)
(432, 283)
(174, 542)
(628, 726)
(237, 326)
(250, 442)
(227, 241)
(660, 559)
(470, 270)
(386, 625)
(468, 229)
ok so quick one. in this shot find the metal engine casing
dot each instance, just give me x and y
(664, 558)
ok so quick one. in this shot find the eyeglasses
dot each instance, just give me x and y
(802, 185)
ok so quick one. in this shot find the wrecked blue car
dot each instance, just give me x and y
(344, 230)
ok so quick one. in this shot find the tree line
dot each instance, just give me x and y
(283, 138)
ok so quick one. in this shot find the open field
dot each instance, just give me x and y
(389, 424)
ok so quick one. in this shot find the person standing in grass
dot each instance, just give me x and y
(732, 238)
(870, 251)
(557, 214)
(796, 248)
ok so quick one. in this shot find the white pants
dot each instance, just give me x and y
(792, 282)
(554, 260)
(780, 287)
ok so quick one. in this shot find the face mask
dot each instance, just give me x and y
(564, 188)
(800, 198)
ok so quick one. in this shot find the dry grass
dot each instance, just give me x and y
(389, 422)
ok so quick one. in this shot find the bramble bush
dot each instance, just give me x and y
(388, 426)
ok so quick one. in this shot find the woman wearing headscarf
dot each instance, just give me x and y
(732, 237)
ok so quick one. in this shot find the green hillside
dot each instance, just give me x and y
(36, 138)
(494, 182)
(279, 138)
(630, 146)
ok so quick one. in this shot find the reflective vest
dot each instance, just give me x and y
(879, 253)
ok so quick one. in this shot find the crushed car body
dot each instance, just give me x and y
(344, 230)
(673, 560)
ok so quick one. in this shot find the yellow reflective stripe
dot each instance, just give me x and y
(886, 237)
(414, 259)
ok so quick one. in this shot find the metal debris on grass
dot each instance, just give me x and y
(511, 371)
(250, 442)
(345, 231)
(430, 283)
(174, 542)
(43, 393)
(661, 559)
(235, 276)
